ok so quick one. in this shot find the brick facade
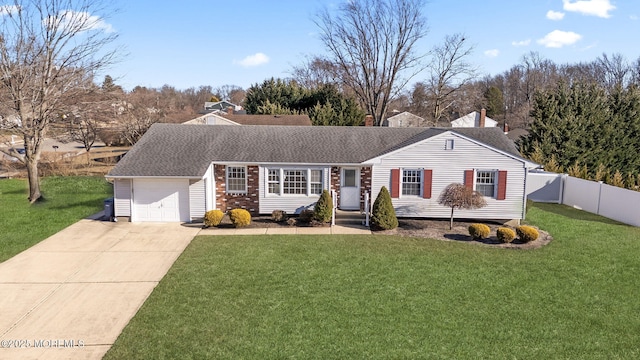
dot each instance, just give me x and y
(249, 201)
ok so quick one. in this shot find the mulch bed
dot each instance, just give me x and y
(421, 228)
(439, 229)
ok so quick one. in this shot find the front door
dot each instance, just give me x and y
(350, 189)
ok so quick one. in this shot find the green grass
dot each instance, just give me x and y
(66, 200)
(371, 297)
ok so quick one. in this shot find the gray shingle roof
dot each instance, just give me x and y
(177, 150)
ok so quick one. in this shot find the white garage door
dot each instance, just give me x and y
(163, 200)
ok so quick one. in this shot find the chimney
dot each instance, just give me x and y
(506, 128)
(229, 110)
(483, 115)
(368, 120)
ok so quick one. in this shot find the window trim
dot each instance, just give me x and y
(227, 172)
(420, 174)
(494, 175)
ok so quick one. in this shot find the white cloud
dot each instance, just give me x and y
(492, 53)
(8, 9)
(599, 8)
(521, 43)
(253, 60)
(558, 39)
(80, 21)
(633, 17)
(555, 15)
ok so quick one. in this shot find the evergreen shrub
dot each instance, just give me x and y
(239, 217)
(505, 235)
(324, 207)
(383, 215)
(527, 233)
(479, 231)
(213, 218)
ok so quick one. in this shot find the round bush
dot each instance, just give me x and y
(240, 217)
(383, 215)
(479, 231)
(279, 215)
(506, 235)
(213, 218)
(527, 233)
(305, 216)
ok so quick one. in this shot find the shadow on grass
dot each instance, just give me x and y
(572, 213)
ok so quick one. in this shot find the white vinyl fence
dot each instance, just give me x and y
(595, 197)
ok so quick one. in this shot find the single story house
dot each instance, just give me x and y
(405, 119)
(176, 172)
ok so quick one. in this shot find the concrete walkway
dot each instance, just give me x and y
(70, 296)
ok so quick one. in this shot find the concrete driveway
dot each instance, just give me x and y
(70, 296)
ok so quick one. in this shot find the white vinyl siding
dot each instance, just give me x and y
(449, 167)
(294, 202)
(197, 199)
(122, 197)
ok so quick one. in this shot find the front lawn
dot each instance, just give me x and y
(368, 297)
(67, 200)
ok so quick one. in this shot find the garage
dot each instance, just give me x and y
(161, 200)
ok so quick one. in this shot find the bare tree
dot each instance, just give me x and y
(459, 196)
(48, 50)
(371, 43)
(450, 71)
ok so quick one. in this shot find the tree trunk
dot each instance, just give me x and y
(34, 181)
(451, 222)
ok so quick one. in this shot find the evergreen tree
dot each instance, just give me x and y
(383, 215)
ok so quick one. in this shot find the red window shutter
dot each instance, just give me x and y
(426, 184)
(468, 178)
(502, 185)
(395, 183)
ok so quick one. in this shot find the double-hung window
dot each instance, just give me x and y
(316, 182)
(236, 179)
(411, 182)
(486, 182)
(273, 181)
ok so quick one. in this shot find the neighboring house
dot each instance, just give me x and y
(220, 105)
(234, 119)
(176, 173)
(405, 119)
(474, 119)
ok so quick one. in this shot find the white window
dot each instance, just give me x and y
(295, 182)
(316, 182)
(448, 144)
(273, 181)
(486, 182)
(411, 182)
(236, 179)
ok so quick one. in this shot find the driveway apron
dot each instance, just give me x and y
(70, 296)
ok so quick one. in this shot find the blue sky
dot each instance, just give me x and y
(199, 42)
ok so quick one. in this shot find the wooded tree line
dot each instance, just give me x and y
(587, 130)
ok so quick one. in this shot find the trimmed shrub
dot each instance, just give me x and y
(305, 216)
(213, 218)
(239, 217)
(383, 215)
(279, 215)
(292, 222)
(324, 207)
(479, 231)
(505, 235)
(527, 233)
